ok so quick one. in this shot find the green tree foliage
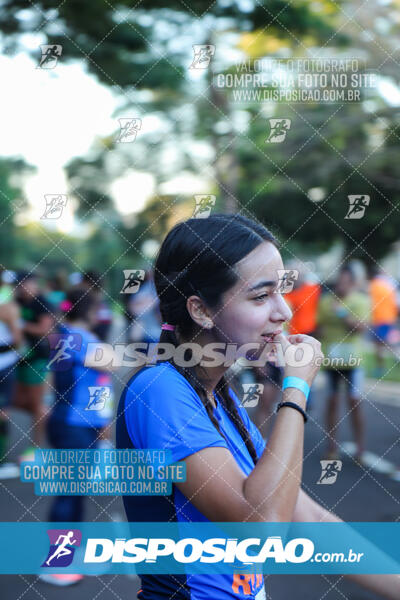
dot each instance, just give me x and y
(12, 172)
(339, 150)
(330, 148)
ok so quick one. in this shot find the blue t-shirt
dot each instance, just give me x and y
(160, 409)
(83, 395)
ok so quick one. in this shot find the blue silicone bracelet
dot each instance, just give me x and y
(296, 382)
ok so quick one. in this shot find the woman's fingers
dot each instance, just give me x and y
(298, 338)
(283, 340)
(304, 365)
(281, 345)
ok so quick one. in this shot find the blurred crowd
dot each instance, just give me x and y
(348, 315)
(31, 311)
(41, 320)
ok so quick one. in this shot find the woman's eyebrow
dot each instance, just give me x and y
(262, 284)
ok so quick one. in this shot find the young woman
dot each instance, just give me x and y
(217, 281)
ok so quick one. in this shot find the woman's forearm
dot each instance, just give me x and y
(272, 487)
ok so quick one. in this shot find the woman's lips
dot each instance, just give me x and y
(269, 337)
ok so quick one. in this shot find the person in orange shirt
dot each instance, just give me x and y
(303, 300)
(384, 315)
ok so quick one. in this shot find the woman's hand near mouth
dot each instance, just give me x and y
(293, 361)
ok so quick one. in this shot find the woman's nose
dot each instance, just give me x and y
(282, 311)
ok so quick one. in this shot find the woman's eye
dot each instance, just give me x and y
(261, 297)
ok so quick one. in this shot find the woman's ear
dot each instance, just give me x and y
(198, 311)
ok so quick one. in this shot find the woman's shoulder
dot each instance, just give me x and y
(155, 381)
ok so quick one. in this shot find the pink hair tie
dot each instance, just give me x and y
(66, 305)
(168, 327)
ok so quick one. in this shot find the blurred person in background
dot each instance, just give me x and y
(37, 322)
(55, 292)
(303, 301)
(10, 340)
(103, 318)
(82, 411)
(342, 318)
(127, 316)
(382, 291)
(143, 306)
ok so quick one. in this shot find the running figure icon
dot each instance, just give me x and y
(63, 345)
(330, 471)
(62, 549)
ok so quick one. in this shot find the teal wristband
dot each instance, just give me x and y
(296, 382)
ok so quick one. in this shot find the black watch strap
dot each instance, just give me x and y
(295, 406)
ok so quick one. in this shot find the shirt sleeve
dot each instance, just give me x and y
(162, 411)
(258, 441)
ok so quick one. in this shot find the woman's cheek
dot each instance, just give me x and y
(245, 323)
(260, 317)
(252, 320)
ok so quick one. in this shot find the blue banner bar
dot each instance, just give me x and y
(291, 548)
